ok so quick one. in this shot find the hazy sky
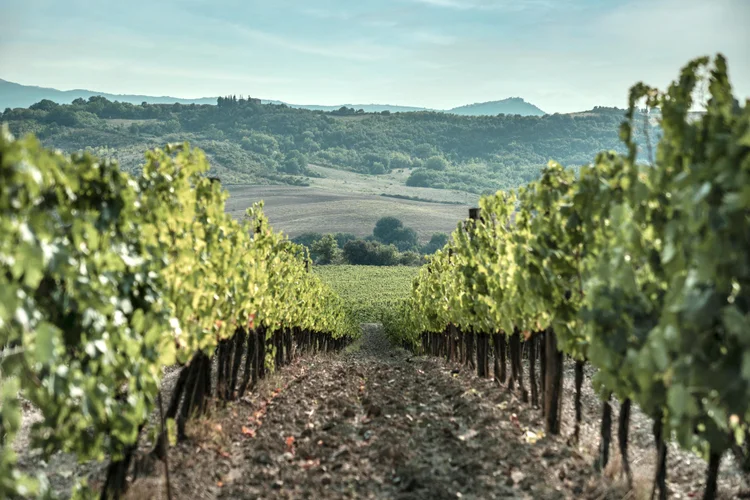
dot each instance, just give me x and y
(562, 55)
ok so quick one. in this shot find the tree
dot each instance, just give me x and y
(385, 227)
(424, 151)
(437, 241)
(62, 116)
(44, 105)
(370, 253)
(378, 168)
(410, 259)
(422, 178)
(260, 143)
(344, 238)
(436, 163)
(391, 231)
(405, 239)
(295, 163)
(307, 239)
(310, 145)
(326, 250)
(399, 161)
(356, 252)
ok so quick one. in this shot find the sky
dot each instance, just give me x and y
(562, 55)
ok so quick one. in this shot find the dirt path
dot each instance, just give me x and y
(375, 423)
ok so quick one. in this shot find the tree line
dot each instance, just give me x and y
(390, 244)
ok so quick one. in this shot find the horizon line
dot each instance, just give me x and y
(416, 107)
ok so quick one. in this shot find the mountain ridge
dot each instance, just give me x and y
(17, 95)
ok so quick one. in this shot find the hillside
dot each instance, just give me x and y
(250, 143)
(297, 210)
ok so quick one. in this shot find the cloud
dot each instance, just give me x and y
(651, 40)
(133, 67)
(431, 65)
(328, 14)
(336, 51)
(353, 50)
(506, 5)
(677, 25)
(382, 23)
(453, 4)
(433, 38)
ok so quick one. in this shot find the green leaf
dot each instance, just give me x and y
(735, 322)
(47, 339)
(11, 407)
(171, 431)
(679, 400)
(669, 252)
(659, 354)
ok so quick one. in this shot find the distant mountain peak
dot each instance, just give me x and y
(509, 106)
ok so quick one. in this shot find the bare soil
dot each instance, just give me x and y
(376, 422)
(296, 210)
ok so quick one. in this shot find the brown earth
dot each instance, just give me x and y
(296, 210)
(376, 422)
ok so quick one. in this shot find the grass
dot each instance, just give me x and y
(369, 289)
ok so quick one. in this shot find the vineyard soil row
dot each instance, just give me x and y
(376, 422)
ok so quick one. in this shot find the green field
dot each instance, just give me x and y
(369, 289)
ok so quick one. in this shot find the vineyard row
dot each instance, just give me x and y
(638, 264)
(107, 279)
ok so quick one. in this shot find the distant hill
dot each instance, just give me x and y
(15, 95)
(510, 106)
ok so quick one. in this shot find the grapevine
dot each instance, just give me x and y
(106, 279)
(639, 268)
